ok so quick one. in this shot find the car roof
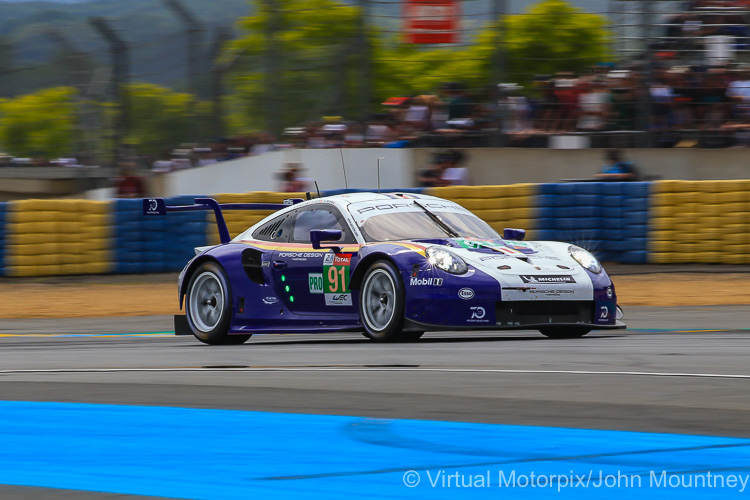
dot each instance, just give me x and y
(348, 198)
(342, 201)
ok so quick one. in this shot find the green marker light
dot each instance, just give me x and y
(291, 298)
(283, 278)
(287, 288)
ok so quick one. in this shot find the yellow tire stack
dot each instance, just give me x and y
(57, 237)
(700, 222)
(500, 206)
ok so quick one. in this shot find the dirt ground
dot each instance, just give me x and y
(83, 297)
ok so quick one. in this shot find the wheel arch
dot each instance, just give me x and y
(189, 272)
(355, 281)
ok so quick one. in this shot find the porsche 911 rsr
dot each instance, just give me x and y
(389, 265)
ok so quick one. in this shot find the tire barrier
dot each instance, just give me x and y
(57, 237)
(610, 219)
(700, 221)
(3, 207)
(155, 244)
(660, 222)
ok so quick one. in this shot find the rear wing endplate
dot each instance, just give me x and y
(157, 206)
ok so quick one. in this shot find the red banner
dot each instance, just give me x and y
(431, 21)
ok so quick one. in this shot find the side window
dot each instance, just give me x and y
(319, 218)
(275, 230)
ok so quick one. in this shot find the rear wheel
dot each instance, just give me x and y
(208, 306)
(381, 303)
(564, 332)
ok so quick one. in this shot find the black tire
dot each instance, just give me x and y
(565, 332)
(208, 306)
(381, 303)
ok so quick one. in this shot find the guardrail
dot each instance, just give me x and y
(639, 222)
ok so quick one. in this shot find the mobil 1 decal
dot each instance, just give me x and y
(336, 279)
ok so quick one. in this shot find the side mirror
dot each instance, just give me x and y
(514, 234)
(317, 236)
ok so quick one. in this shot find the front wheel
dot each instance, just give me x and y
(208, 306)
(381, 303)
(564, 332)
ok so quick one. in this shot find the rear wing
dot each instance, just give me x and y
(157, 206)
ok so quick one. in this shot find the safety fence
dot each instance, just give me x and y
(638, 222)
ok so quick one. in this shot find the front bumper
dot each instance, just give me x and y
(519, 315)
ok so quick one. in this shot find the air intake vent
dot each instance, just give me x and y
(251, 262)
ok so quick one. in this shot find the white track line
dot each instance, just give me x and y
(371, 369)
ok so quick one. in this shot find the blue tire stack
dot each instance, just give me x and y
(607, 218)
(635, 218)
(151, 244)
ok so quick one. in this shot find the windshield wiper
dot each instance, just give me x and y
(445, 227)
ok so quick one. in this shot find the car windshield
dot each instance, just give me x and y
(419, 225)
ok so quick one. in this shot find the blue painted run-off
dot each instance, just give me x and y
(222, 454)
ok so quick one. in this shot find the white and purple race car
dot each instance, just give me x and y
(389, 265)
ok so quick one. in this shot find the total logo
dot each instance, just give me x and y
(477, 312)
(339, 259)
(426, 281)
(466, 293)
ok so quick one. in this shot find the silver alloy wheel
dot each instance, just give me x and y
(379, 299)
(206, 301)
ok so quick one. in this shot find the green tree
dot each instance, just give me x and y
(161, 118)
(552, 36)
(316, 69)
(42, 124)
(315, 65)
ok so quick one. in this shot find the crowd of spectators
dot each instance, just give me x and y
(668, 105)
(677, 105)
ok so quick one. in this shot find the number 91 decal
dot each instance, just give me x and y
(336, 279)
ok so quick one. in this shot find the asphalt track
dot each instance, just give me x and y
(336, 416)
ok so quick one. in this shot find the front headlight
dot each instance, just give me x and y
(446, 260)
(584, 258)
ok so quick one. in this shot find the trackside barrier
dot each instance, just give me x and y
(155, 244)
(700, 221)
(2, 237)
(47, 237)
(610, 219)
(658, 222)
